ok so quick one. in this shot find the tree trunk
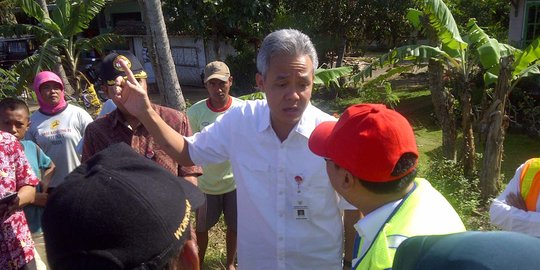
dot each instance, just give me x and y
(443, 100)
(217, 47)
(341, 51)
(496, 129)
(73, 78)
(170, 86)
(469, 149)
(443, 103)
(59, 68)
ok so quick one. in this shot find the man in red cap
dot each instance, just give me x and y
(371, 158)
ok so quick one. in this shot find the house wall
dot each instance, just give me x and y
(224, 51)
(117, 7)
(190, 56)
(517, 23)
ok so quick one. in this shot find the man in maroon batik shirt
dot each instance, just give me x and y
(120, 126)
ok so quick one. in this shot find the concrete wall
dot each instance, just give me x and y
(190, 56)
(517, 24)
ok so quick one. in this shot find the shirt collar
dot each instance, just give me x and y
(116, 117)
(304, 127)
(368, 226)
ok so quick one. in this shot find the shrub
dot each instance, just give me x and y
(447, 177)
(243, 70)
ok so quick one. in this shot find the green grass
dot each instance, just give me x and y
(216, 253)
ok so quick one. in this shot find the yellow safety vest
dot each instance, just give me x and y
(530, 183)
(423, 211)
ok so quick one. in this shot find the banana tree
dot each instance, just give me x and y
(59, 37)
(463, 57)
(497, 60)
(454, 55)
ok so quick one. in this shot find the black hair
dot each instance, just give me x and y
(405, 163)
(13, 104)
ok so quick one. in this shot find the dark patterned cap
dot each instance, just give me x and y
(111, 68)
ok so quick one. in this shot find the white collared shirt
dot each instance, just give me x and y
(510, 218)
(368, 226)
(270, 233)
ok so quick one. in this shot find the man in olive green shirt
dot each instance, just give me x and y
(217, 182)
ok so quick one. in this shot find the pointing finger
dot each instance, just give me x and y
(129, 74)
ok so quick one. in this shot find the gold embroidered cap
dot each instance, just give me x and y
(111, 68)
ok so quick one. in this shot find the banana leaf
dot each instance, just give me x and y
(443, 22)
(8, 30)
(330, 76)
(45, 58)
(415, 17)
(34, 10)
(416, 53)
(529, 56)
(98, 43)
(253, 96)
(81, 15)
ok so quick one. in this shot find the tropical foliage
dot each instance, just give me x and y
(465, 58)
(59, 35)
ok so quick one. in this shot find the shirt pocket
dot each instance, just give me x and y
(257, 179)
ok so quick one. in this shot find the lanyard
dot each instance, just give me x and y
(358, 239)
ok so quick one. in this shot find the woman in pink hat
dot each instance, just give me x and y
(57, 127)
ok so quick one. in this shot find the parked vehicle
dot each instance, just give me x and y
(13, 50)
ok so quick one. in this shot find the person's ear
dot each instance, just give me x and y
(348, 181)
(230, 80)
(259, 78)
(190, 256)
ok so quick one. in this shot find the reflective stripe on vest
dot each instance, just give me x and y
(530, 183)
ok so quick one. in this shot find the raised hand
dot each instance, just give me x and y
(130, 94)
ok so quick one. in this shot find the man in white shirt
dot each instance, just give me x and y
(517, 208)
(288, 215)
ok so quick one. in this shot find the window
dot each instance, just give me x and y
(185, 56)
(532, 21)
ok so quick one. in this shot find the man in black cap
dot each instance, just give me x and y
(121, 211)
(121, 126)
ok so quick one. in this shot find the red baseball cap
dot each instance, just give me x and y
(367, 140)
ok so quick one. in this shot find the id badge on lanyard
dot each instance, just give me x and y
(300, 206)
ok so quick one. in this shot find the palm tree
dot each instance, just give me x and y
(59, 36)
(159, 46)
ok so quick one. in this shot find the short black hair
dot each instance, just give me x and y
(13, 104)
(405, 162)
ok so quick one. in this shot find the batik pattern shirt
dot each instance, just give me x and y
(16, 246)
(113, 128)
